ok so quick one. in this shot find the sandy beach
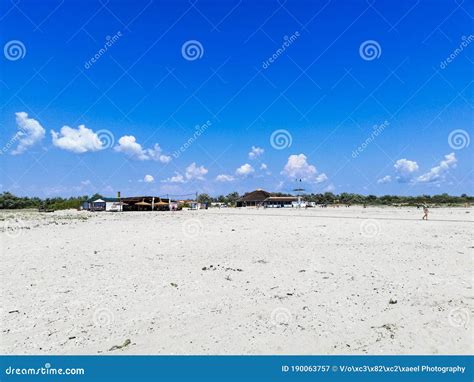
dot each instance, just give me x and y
(238, 281)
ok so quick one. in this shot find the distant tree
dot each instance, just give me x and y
(204, 198)
(96, 196)
(231, 199)
(329, 197)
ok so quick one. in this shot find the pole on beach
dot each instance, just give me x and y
(298, 191)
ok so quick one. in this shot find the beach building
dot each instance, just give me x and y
(133, 203)
(266, 199)
(145, 203)
(253, 199)
(281, 202)
(102, 204)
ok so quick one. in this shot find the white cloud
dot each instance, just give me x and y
(245, 170)
(224, 178)
(405, 168)
(263, 166)
(192, 172)
(156, 154)
(30, 132)
(148, 179)
(438, 173)
(297, 166)
(195, 172)
(129, 146)
(255, 152)
(321, 178)
(80, 140)
(385, 179)
(177, 178)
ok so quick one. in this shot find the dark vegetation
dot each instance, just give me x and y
(10, 201)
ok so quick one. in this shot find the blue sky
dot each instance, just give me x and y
(372, 97)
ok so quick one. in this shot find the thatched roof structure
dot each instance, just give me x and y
(253, 198)
(142, 203)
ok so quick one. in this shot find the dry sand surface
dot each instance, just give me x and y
(237, 281)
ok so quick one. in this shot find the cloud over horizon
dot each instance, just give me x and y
(225, 178)
(255, 152)
(297, 167)
(244, 170)
(438, 173)
(80, 140)
(406, 170)
(192, 172)
(129, 146)
(30, 132)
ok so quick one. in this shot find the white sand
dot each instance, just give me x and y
(314, 281)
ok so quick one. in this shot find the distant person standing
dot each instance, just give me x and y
(425, 211)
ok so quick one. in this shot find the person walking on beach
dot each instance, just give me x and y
(425, 211)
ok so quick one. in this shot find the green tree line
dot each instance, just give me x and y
(349, 198)
(10, 201)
